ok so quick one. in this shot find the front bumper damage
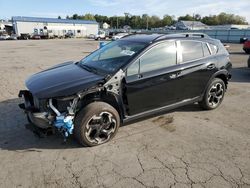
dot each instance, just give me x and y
(35, 116)
(48, 116)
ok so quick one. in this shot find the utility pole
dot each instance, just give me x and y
(193, 22)
(117, 22)
(147, 22)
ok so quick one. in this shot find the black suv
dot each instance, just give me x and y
(130, 78)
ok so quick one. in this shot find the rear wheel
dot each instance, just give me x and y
(213, 95)
(96, 124)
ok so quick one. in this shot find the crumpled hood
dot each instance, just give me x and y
(61, 80)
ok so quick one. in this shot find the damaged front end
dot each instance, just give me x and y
(50, 113)
(60, 112)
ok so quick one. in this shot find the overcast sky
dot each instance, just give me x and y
(54, 8)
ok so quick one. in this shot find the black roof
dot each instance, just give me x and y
(149, 38)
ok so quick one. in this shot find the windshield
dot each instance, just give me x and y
(112, 56)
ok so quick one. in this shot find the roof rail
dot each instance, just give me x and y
(202, 35)
(159, 37)
(164, 36)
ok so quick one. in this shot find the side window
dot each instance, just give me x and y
(191, 50)
(213, 48)
(206, 51)
(161, 56)
(133, 69)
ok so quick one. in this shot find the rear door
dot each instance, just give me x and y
(151, 81)
(197, 65)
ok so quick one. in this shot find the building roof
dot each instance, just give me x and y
(193, 23)
(51, 20)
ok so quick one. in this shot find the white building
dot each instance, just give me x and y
(105, 25)
(2, 27)
(53, 27)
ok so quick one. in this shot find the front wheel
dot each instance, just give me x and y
(214, 95)
(96, 124)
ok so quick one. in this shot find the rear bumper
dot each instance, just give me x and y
(40, 119)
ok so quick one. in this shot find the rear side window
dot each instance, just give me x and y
(213, 48)
(161, 56)
(191, 50)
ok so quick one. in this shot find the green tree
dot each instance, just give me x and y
(186, 18)
(210, 20)
(88, 17)
(145, 21)
(75, 17)
(167, 20)
(154, 22)
(197, 17)
(223, 19)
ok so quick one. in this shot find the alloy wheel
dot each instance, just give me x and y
(215, 94)
(100, 128)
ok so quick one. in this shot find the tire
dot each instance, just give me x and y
(96, 124)
(214, 95)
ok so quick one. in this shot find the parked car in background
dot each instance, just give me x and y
(243, 40)
(24, 36)
(4, 37)
(36, 37)
(119, 36)
(91, 36)
(101, 35)
(246, 46)
(12, 37)
(134, 77)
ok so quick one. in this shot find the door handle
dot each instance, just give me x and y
(211, 66)
(139, 76)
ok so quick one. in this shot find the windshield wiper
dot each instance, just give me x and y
(89, 68)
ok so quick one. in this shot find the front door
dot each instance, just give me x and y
(152, 80)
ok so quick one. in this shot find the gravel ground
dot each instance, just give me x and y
(187, 147)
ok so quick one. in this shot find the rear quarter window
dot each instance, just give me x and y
(213, 48)
(206, 50)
